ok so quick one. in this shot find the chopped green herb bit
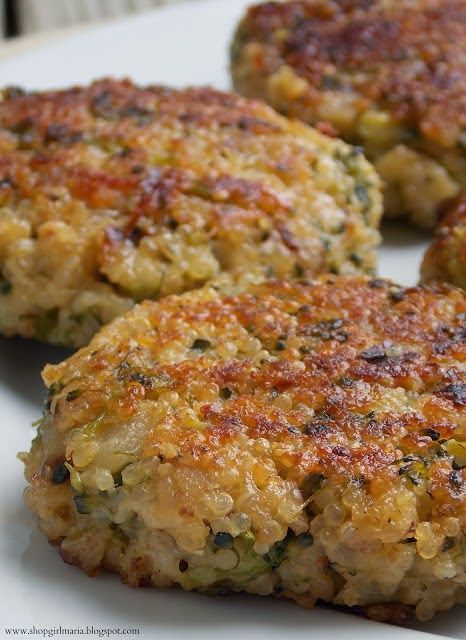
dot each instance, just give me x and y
(45, 324)
(448, 544)
(5, 286)
(305, 539)
(223, 540)
(363, 196)
(298, 271)
(60, 473)
(201, 345)
(312, 484)
(278, 553)
(145, 381)
(82, 504)
(431, 433)
(117, 478)
(356, 259)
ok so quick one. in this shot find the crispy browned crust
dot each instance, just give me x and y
(188, 184)
(333, 410)
(44, 137)
(336, 346)
(50, 125)
(405, 57)
(445, 259)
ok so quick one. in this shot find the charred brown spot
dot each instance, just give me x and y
(394, 613)
(433, 434)
(114, 235)
(397, 295)
(456, 392)
(456, 479)
(23, 126)
(288, 238)
(317, 428)
(374, 355)
(341, 451)
(61, 132)
(160, 188)
(12, 93)
(255, 125)
(378, 283)
(6, 183)
(239, 192)
(102, 104)
(328, 330)
(408, 58)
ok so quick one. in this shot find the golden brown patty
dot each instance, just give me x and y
(387, 74)
(445, 260)
(307, 440)
(113, 193)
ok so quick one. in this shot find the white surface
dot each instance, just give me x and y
(179, 45)
(42, 15)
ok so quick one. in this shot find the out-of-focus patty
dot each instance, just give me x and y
(113, 193)
(387, 74)
(445, 259)
(303, 440)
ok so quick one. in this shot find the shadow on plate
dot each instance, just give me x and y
(21, 362)
(400, 235)
(105, 599)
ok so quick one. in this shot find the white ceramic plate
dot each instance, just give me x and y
(186, 44)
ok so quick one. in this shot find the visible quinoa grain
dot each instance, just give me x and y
(333, 473)
(115, 193)
(386, 74)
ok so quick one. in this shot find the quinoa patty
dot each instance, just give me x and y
(389, 75)
(113, 193)
(305, 440)
(445, 259)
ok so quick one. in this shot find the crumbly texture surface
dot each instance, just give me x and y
(305, 440)
(387, 74)
(445, 259)
(113, 193)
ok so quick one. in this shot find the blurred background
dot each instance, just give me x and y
(21, 17)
